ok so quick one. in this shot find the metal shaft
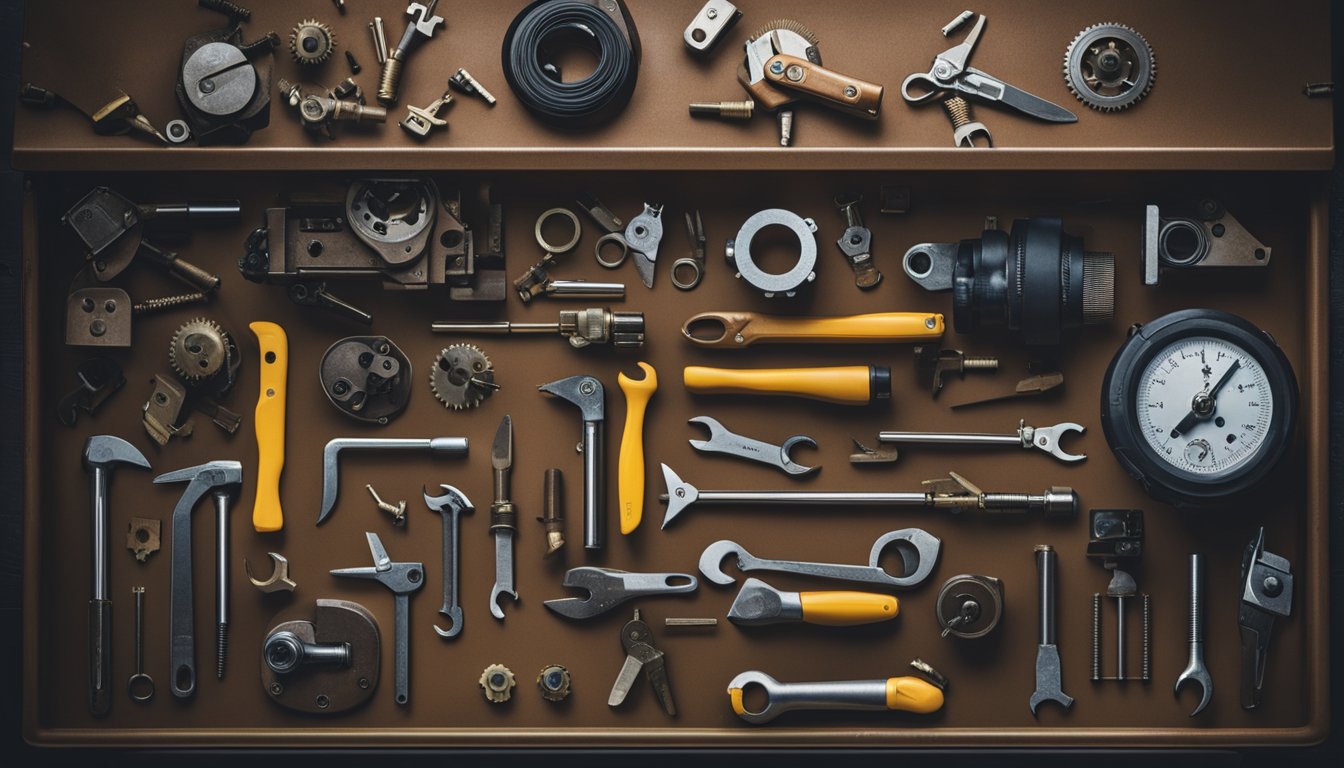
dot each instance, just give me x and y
(99, 540)
(402, 630)
(594, 489)
(1196, 629)
(949, 438)
(500, 327)
(221, 581)
(1120, 648)
(902, 498)
(1046, 565)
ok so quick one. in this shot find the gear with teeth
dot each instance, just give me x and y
(1109, 67)
(311, 42)
(200, 349)
(462, 376)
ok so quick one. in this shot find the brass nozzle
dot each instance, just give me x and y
(731, 110)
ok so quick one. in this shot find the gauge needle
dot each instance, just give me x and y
(1204, 404)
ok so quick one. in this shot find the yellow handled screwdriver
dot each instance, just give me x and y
(845, 385)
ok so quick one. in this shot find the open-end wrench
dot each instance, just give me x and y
(723, 441)
(1195, 671)
(503, 518)
(450, 506)
(586, 394)
(1049, 679)
(608, 588)
(1045, 439)
(918, 549)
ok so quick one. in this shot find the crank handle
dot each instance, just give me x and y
(909, 694)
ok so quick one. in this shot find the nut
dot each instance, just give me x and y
(497, 682)
(554, 680)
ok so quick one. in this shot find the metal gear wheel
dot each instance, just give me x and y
(200, 348)
(1109, 67)
(311, 42)
(462, 376)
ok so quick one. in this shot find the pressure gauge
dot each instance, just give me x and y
(1199, 406)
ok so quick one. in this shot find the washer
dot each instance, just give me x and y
(738, 252)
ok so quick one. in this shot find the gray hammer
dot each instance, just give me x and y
(101, 454)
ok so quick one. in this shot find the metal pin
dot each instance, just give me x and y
(379, 39)
(690, 622)
(955, 24)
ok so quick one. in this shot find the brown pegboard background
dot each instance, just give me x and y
(1228, 92)
(991, 679)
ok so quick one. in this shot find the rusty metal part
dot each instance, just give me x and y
(142, 537)
(421, 121)
(368, 378)
(330, 664)
(278, 581)
(497, 683)
(419, 27)
(99, 379)
(397, 511)
(1205, 236)
(554, 682)
(200, 349)
(1032, 386)
(319, 108)
(552, 511)
(933, 364)
(98, 317)
(163, 417)
(311, 42)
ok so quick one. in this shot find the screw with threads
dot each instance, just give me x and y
(168, 302)
(786, 127)
(729, 110)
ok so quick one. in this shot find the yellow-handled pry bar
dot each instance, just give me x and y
(759, 603)
(742, 329)
(845, 385)
(630, 470)
(908, 694)
(267, 514)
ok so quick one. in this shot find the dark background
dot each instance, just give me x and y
(11, 515)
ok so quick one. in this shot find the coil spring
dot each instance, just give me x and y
(168, 302)
(1147, 673)
(1096, 636)
(958, 111)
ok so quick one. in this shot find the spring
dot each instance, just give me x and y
(958, 111)
(1147, 638)
(167, 302)
(1096, 636)
(390, 81)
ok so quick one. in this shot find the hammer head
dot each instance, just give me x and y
(452, 501)
(680, 494)
(103, 451)
(585, 392)
(208, 476)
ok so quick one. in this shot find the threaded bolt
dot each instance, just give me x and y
(1096, 636)
(221, 647)
(980, 363)
(168, 302)
(731, 110)
(1147, 673)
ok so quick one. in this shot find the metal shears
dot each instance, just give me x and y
(949, 75)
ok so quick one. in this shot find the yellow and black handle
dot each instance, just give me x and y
(845, 385)
(741, 329)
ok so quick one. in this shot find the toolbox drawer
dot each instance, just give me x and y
(1261, 171)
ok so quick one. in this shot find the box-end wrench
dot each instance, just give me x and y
(1049, 679)
(451, 506)
(721, 440)
(918, 550)
(586, 393)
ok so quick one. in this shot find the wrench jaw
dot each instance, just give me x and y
(918, 549)
(680, 495)
(1196, 673)
(711, 561)
(1049, 683)
(787, 464)
(495, 594)
(1048, 439)
(454, 616)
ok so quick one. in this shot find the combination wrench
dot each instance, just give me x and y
(918, 549)
(451, 505)
(721, 440)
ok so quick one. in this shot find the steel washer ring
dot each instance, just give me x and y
(573, 241)
(697, 272)
(787, 283)
(612, 237)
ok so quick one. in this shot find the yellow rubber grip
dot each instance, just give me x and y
(266, 512)
(913, 694)
(845, 385)
(879, 326)
(630, 469)
(846, 609)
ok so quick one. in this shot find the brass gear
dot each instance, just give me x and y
(1109, 67)
(199, 349)
(311, 42)
(462, 376)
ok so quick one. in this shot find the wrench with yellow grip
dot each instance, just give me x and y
(908, 694)
(630, 468)
(759, 603)
(270, 425)
(742, 329)
(845, 385)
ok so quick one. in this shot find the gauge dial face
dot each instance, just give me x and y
(1204, 405)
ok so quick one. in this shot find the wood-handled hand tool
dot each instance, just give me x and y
(759, 603)
(101, 454)
(843, 385)
(267, 514)
(630, 472)
(908, 694)
(742, 329)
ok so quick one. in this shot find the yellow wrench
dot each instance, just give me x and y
(266, 513)
(846, 385)
(630, 470)
(742, 329)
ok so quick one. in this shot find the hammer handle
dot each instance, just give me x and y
(100, 656)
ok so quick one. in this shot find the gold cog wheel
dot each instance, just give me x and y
(311, 42)
(462, 376)
(199, 349)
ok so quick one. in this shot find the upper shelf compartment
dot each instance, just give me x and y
(1228, 94)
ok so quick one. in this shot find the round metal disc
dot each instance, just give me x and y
(1109, 67)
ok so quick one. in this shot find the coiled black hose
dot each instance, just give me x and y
(582, 103)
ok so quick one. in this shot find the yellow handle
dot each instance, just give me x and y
(913, 694)
(846, 385)
(846, 609)
(741, 329)
(266, 513)
(630, 472)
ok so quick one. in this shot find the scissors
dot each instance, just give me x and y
(950, 74)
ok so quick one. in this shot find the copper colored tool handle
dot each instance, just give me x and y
(859, 97)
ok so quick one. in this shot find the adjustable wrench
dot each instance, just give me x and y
(586, 393)
(503, 519)
(608, 588)
(918, 549)
(723, 441)
(450, 506)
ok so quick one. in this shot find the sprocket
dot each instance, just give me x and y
(311, 42)
(1109, 67)
(462, 376)
(200, 349)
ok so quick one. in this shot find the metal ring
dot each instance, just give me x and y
(697, 272)
(787, 283)
(140, 687)
(614, 237)
(177, 131)
(573, 241)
